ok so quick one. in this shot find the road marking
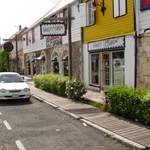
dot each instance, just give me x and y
(7, 125)
(20, 145)
(0, 113)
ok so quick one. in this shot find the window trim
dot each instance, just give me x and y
(119, 9)
(93, 19)
(90, 69)
(100, 67)
(33, 35)
(27, 38)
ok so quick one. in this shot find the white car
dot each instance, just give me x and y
(12, 86)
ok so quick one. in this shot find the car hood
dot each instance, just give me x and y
(16, 86)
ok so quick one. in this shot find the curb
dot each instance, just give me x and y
(57, 107)
(45, 101)
(114, 135)
(110, 133)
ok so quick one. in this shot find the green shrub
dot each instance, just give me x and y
(75, 89)
(51, 82)
(130, 103)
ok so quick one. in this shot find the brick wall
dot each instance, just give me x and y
(76, 55)
(60, 50)
(143, 65)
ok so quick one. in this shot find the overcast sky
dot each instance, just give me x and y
(21, 12)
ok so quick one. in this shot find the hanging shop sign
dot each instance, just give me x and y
(53, 41)
(53, 29)
(108, 44)
(8, 46)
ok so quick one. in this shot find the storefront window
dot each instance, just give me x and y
(33, 64)
(55, 64)
(118, 68)
(65, 64)
(106, 69)
(43, 65)
(95, 69)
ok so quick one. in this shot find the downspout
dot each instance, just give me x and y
(136, 40)
(82, 57)
(81, 49)
(69, 40)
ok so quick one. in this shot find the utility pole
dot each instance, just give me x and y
(17, 58)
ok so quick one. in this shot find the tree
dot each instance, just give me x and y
(4, 60)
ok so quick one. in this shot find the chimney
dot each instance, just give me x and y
(19, 27)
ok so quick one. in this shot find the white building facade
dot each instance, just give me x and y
(143, 43)
(45, 54)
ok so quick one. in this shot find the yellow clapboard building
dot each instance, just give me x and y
(109, 43)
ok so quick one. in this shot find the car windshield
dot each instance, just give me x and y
(10, 78)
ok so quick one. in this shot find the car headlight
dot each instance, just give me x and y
(26, 89)
(3, 90)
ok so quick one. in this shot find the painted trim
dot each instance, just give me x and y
(54, 23)
(106, 48)
(90, 71)
(100, 85)
(118, 10)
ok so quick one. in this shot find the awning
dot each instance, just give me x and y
(42, 57)
(55, 58)
(33, 60)
(65, 58)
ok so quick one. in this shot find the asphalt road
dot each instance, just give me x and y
(37, 126)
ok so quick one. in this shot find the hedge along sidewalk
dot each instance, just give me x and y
(128, 132)
(129, 102)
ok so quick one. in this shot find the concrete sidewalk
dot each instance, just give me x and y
(125, 131)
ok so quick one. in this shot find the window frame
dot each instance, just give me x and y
(90, 69)
(92, 12)
(111, 71)
(27, 38)
(33, 35)
(119, 10)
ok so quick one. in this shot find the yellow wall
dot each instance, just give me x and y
(107, 26)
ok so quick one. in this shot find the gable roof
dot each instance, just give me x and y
(61, 4)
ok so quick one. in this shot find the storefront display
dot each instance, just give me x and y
(107, 62)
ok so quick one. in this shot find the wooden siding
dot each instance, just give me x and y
(75, 25)
(39, 43)
(107, 26)
(144, 21)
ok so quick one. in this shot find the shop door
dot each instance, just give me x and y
(106, 69)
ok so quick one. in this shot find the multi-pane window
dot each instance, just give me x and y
(27, 39)
(120, 7)
(65, 64)
(33, 36)
(90, 12)
(118, 70)
(55, 64)
(43, 62)
(107, 68)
